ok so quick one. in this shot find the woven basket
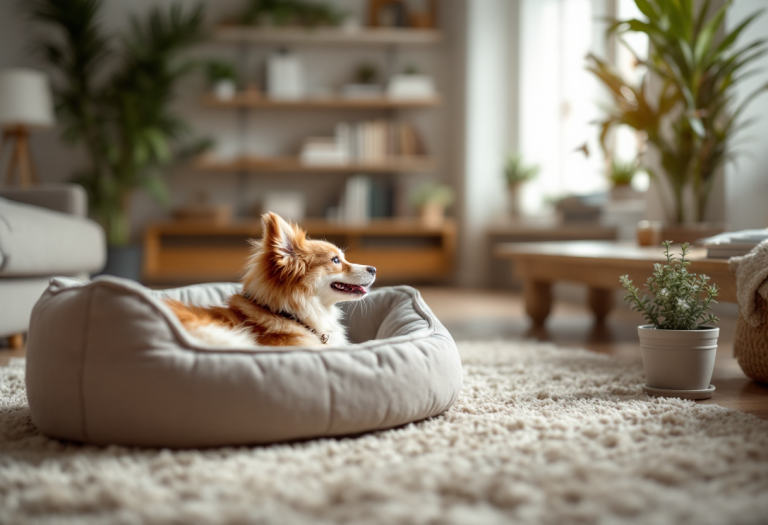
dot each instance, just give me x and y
(750, 347)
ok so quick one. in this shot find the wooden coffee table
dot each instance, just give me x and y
(598, 265)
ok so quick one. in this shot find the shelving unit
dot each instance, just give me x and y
(401, 249)
(295, 165)
(257, 101)
(327, 36)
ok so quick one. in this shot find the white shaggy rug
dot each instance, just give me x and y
(539, 435)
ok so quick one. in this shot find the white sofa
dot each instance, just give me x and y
(43, 233)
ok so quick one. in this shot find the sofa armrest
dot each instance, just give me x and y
(66, 198)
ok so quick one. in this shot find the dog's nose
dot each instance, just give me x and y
(371, 270)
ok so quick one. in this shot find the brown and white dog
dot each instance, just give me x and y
(290, 289)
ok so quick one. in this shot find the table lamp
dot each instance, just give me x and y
(25, 105)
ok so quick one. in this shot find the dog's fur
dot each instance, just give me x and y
(290, 289)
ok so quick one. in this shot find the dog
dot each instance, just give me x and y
(291, 286)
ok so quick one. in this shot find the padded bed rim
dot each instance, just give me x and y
(59, 285)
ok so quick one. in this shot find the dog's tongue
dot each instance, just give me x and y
(350, 288)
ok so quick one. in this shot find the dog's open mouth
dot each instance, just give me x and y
(350, 288)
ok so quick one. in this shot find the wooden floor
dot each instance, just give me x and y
(472, 314)
(486, 315)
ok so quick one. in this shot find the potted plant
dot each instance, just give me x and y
(620, 175)
(517, 173)
(691, 118)
(679, 342)
(223, 79)
(291, 13)
(431, 199)
(116, 104)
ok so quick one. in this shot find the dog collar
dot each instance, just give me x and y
(286, 315)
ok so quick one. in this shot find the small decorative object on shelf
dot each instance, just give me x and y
(285, 76)
(517, 173)
(679, 343)
(426, 19)
(387, 13)
(201, 210)
(290, 205)
(410, 85)
(223, 79)
(365, 84)
(431, 200)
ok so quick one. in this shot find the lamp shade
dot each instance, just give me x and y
(25, 99)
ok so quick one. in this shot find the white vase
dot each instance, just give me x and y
(515, 206)
(678, 359)
(224, 89)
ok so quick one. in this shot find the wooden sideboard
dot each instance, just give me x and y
(403, 250)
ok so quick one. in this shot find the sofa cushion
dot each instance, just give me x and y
(107, 362)
(36, 241)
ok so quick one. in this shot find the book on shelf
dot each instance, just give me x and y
(355, 202)
(371, 142)
(367, 198)
(323, 151)
(378, 140)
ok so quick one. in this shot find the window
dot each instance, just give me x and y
(560, 99)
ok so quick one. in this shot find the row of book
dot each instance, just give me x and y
(366, 198)
(361, 142)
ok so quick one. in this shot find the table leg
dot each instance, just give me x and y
(600, 302)
(538, 300)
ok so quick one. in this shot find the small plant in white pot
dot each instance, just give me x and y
(223, 79)
(431, 199)
(517, 173)
(680, 341)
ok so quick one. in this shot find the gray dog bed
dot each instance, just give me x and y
(108, 363)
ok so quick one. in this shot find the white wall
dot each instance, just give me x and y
(485, 137)
(747, 180)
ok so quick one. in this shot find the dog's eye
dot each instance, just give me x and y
(335, 260)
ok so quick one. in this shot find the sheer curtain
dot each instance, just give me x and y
(560, 100)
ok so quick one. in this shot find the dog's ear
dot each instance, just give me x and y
(282, 242)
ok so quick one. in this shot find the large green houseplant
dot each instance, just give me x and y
(694, 113)
(114, 101)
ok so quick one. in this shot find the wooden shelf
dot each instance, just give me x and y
(249, 100)
(326, 36)
(189, 251)
(379, 227)
(294, 165)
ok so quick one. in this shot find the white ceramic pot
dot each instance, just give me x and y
(514, 204)
(678, 359)
(224, 89)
